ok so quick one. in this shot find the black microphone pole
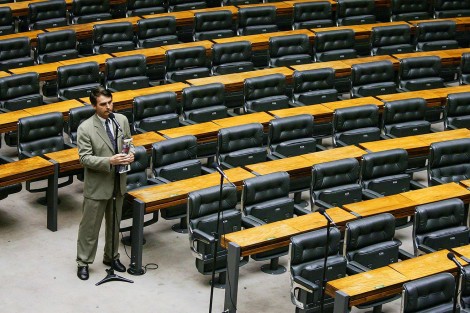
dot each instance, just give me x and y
(329, 221)
(451, 257)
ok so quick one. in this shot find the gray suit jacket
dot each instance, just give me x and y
(95, 149)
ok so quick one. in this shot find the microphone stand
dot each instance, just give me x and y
(324, 280)
(111, 276)
(451, 257)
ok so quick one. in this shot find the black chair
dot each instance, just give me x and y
(450, 8)
(335, 183)
(239, 2)
(240, 145)
(155, 112)
(232, 57)
(449, 161)
(185, 5)
(314, 86)
(76, 117)
(113, 37)
(372, 79)
(145, 7)
(42, 15)
(440, 225)
(172, 160)
(334, 45)
(14, 53)
(439, 35)
(405, 118)
(7, 23)
(20, 91)
(354, 125)
(202, 221)
(429, 294)
(213, 25)
(185, 63)
(76, 81)
(265, 93)
(385, 40)
(409, 10)
(5, 191)
(87, 11)
(56, 46)
(306, 256)
(265, 199)
(257, 20)
(465, 290)
(126, 73)
(464, 69)
(312, 15)
(420, 73)
(355, 12)
(203, 103)
(289, 50)
(457, 111)
(156, 32)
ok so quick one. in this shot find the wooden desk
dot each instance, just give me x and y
(360, 33)
(321, 114)
(99, 58)
(353, 103)
(282, 9)
(4, 74)
(446, 59)
(398, 205)
(341, 69)
(62, 107)
(204, 132)
(428, 139)
(203, 43)
(438, 193)
(183, 18)
(444, 92)
(9, 120)
(147, 140)
(376, 58)
(335, 154)
(152, 55)
(456, 54)
(465, 183)
(32, 36)
(459, 23)
(68, 159)
(462, 252)
(260, 117)
(258, 42)
(46, 71)
(432, 99)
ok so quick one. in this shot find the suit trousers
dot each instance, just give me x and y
(88, 232)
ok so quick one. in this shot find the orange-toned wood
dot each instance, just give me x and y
(465, 183)
(9, 120)
(203, 43)
(24, 170)
(258, 42)
(432, 99)
(360, 32)
(428, 139)
(32, 35)
(260, 117)
(152, 55)
(183, 18)
(147, 139)
(99, 58)
(353, 103)
(19, 8)
(45, 71)
(310, 222)
(444, 92)
(231, 8)
(4, 74)
(463, 252)
(376, 58)
(461, 25)
(438, 193)
(398, 205)
(446, 59)
(465, 21)
(341, 69)
(320, 113)
(334, 154)
(413, 146)
(296, 166)
(67, 159)
(204, 132)
(282, 9)
(62, 107)
(456, 54)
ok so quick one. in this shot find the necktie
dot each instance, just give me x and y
(110, 134)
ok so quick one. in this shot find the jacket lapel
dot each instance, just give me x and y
(102, 132)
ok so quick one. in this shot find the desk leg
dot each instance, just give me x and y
(231, 287)
(52, 197)
(341, 302)
(137, 238)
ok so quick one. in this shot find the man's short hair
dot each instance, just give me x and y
(99, 91)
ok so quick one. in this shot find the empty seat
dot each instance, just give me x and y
(405, 118)
(312, 15)
(420, 73)
(155, 112)
(257, 20)
(76, 81)
(20, 91)
(314, 86)
(239, 2)
(156, 32)
(451, 8)
(213, 25)
(334, 45)
(289, 50)
(393, 39)
(457, 111)
(464, 69)
(439, 35)
(265, 93)
(354, 12)
(232, 57)
(7, 23)
(42, 15)
(449, 161)
(113, 37)
(203, 103)
(14, 53)
(87, 11)
(185, 5)
(185, 63)
(56, 46)
(372, 79)
(408, 10)
(126, 73)
(145, 7)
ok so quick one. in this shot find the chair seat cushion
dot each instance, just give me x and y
(291, 60)
(58, 56)
(422, 83)
(317, 96)
(375, 89)
(234, 67)
(92, 18)
(191, 73)
(377, 255)
(207, 114)
(15, 63)
(160, 122)
(437, 45)
(411, 16)
(180, 170)
(7, 29)
(337, 196)
(8, 190)
(53, 22)
(258, 29)
(116, 46)
(245, 156)
(77, 92)
(158, 41)
(356, 136)
(460, 121)
(296, 146)
(130, 83)
(214, 34)
(357, 20)
(447, 238)
(147, 11)
(452, 13)
(334, 55)
(409, 128)
(394, 49)
(268, 103)
(314, 24)
(188, 6)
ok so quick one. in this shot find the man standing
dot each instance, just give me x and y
(97, 155)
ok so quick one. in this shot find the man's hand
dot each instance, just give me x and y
(121, 159)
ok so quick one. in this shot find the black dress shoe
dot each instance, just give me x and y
(116, 265)
(82, 272)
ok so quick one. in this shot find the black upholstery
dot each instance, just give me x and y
(156, 32)
(203, 103)
(451, 8)
(76, 117)
(306, 255)
(7, 23)
(145, 7)
(408, 10)
(464, 78)
(449, 161)
(440, 225)
(185, 5)
(420, 73)
(265, 93)
(232, 57)
(312, 15)
(113, 37)
(372, 79)
(20, 91)
(457, 111)
(42, 15)
(465, 289)
(185, 63)
(56, 46)
(213, 25)
(356, 124)
(126, 73)
(335, 183)
(240, 145)
(77, 80)
(354, 12)
(334, 45)
(14, 53)
(87, 11)
(385, 40)
(239, 2)
(155, 112)
(257, 20)
(405, 118)
(429, 294)
(5, 191)
(314, 86)
(289, 50)
(439, 35)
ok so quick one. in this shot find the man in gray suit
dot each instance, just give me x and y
(97, 155)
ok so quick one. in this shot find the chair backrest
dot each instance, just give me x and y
(145, 7)
(15, 48)
(391, 39)
(336, 182)
(137, 176)
(20, 91)
(315, 86)
(76, 117)
(241, 145)
(213, 25)
(42, 15)
(155, 112)
(449, 160)
(185, 5)
(451, 8)
(289, 50)
(419, 67)
(353, 12)
(76, 81)
(185, 58)
(312, 15)
(124, 73)
(113, 37)
(86, 11)
(357, 124)
(372, 79)
(405, 117)
(430, 293)
(465, 69)
(56, 46)
(40, 134)
(232, 57)
(439, 35)
(265, 93)
(7, 23)
(457, 110)
(408, 10)
(156, 32)
(204, 103)
(370, 241)
(290, 136)
(384, 172)
(257, 20)
(334, 45)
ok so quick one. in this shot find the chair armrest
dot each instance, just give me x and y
(153, 181)
(415, 185)
(355, 267)
(299, 210)
(61, 98)
(370, 194)
(202, 236)
(251, 221)
(4, 159)
(320, 147)
(225, 165)
(275, 156)
(295, 104)
(305, 284)
(426, 249)
(69, 145)
(322, 204)
(139, 130)
(404, 255)
(161, 180)
(187, 122)
(387, 136)
(232, 114)
(207, 170)
(451, 127)
(26, 154)
(154, 84)
(112, 89)
(340, 143)
(437, 181)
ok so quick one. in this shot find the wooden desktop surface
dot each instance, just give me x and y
(352, 103)
(465, 183)
(204, 132)
(463, 252)
(99, 58)
(4, 74)
(46, 71)
(442, 93)
(335, 154)
(398, 205)
(432, 99)
(62, 107)
(24, 170)
(438, 193)
(260, 117)
(428, 139)
(152, 55)
(360, 33)
(183, 18)
(9, 120)
(341, 69)
(321, 114)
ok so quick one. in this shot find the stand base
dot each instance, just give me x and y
(127, 240)
(43, 201)
(177, 228)
(113, 277)
(135, 271)
(219, 282)
(266, 268)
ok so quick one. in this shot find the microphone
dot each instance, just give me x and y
(221, 172)
(322, 211)
(113, 119)
(452, 257)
